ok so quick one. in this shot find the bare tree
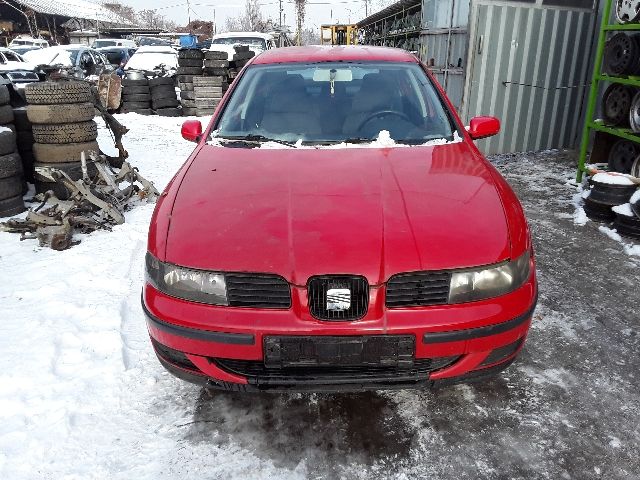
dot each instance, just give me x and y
(251, 20)
(301, 6)
(310, 36)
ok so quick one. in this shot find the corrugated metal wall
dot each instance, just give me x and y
(529, 66)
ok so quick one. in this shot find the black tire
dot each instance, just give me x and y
(57, 114)
(621, 55)
(216, 72)
(169, 112)
(62, 153)
(616, 104)
(241, 48)
(186, 95)
(598, 212)
(55, 93)
(10, 165)
(190, 62)
(129, 106)
(622, 156)
(11, 127)
(156, 82)
(66, 132)
(608, 194)
(12, 206)
(186, 87)
(165, 103)
(190, 53)
(136, 97)
(207, 103)
(189, 70)
(59, 190)
(163, 91)
(214, 55)
(208, 92)
(188, 112)
(185, 78)
(628, 226)
(21, 119)
(130, 82)
(10, 187)
(134, 89)
(7, 142)
(25, 141)
(216, 64)
(207, 82)
(6, 114)
(4, 95)
(188, 103)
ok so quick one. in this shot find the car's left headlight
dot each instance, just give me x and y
(489, 282)
(186, 283)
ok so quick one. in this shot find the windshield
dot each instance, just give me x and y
(104, 43)
(251, 41)
(336, 102)
(52, 56)
(114, 57)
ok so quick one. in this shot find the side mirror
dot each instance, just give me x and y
(483, 127)
(191, 130)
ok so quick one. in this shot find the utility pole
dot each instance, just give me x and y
(189, 14)
(280, 1)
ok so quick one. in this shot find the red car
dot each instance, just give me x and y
(336, 228)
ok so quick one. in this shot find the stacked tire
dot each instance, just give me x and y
(164, 100)
(61, 114)
(189, 60)
(208, 92)
(242, 56)
(136, 96)
(11, 182)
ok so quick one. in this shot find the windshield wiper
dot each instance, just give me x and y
(257, 139)
(358, 140)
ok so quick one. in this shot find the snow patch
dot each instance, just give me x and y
(635, 198)
(613, 178)
(5, 129)
(623, 210)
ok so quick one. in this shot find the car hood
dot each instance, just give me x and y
(15, 66)
(365, 211)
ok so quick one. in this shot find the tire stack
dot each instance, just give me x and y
(11, 182)
(189, 60)
(136, 96)
(607, 191)
(208, 92)
(24, 134)
(164, 100)
(241, 57)
(61, 114)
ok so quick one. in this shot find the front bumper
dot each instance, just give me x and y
(224, 347)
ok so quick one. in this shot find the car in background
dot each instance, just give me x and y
(86, 61)
(337, 228)
(117, 56)
(13, 67)
(256, 41)
(23, 50)
(154, 42)
(113, 42)
(26, 41)
(152, 58)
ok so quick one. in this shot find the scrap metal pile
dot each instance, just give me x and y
(95, 196)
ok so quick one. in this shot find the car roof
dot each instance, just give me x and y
(317, 53)
(156, 49)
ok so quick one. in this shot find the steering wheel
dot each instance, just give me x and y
(383, 113)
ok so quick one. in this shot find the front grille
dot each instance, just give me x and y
(257, 290)
(257, 371)
(357, 298)
(418, 289)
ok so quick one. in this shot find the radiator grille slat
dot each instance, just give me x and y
(257, 290)
(418, 289)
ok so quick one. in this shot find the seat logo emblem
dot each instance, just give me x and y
(338, 299)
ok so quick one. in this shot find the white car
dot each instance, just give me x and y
(88, 62)
(113, 42)
(151, 57)
(26, 41)
(256, 41)
(14, 68)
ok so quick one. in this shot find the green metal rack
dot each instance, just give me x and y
(596, 125)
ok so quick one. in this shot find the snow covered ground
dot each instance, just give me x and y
(82, 395)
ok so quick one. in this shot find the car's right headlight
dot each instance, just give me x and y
(489, 282)
(187, 283)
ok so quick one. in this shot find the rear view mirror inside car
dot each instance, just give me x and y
(332, 74)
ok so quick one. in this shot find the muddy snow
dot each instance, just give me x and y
(82, 395)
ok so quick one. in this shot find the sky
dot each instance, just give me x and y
(318, 11)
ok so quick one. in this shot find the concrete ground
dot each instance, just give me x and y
(568, 408)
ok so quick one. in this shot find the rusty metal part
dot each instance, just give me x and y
(109, 90)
